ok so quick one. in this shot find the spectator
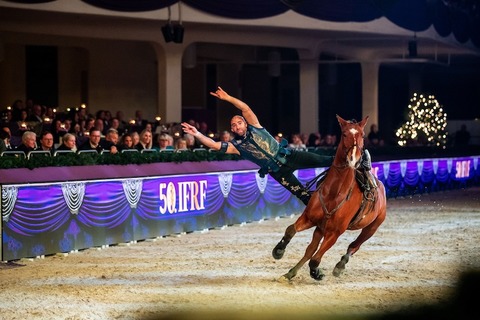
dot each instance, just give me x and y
(165, 141)
(140, 123)
(149, 127)
(46, 142)
(203, 128)
(314, 140)
(225, 136)
(17, 107)
(462, 136)
(304, 138)
(22, 124)
(126, 142)
(296, 142)
(123, 124)
(81, 114)
(36, 115)
(330, 141)
(90, 123)
(107, 119)
(135, 139)
(100, 125)
(181, 144)
(191, 143)
(58, 131)
(93, 142)
(5, 136)
(4, 141)
(111, 141)
(67, 124)
(145, 140)
(29, 142)
(69, 142)
(115, 124)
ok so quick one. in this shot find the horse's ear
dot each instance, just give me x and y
(341, 121)
(363, 122)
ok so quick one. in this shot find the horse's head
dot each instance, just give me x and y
(351, 140)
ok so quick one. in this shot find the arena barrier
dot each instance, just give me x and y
(63, 209)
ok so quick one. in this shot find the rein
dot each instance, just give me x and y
(328, 214)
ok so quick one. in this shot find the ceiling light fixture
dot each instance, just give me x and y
(173, 32)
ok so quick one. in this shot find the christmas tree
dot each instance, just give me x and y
(426, 123)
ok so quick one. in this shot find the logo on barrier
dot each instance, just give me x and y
(463, 169)
(182, 196)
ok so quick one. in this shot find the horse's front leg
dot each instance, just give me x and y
(311, 248)
(301, 224)
(279, 249)
(364, 235)
(329, 240)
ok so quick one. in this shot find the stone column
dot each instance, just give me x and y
(169, 64)
(308, 94)
(370, 92)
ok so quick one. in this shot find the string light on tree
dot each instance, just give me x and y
(426, 124)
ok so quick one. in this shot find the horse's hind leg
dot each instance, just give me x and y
(366, 234)
(340, 266)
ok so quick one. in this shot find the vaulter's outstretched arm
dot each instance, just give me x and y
(247, 112)
(207, 141)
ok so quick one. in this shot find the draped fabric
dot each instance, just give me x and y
(64, 216)
(460, 18)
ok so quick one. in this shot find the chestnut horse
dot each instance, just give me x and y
(337, 205)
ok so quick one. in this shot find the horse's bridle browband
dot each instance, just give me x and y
(346, 153)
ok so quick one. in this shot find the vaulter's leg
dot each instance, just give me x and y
(288, 180)
(366, 164)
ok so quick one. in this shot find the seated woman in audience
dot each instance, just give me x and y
(181, 144)
(191, 143)
(126, 142)
(69, 141)
(164, 141)
(135, 138)
(145, 140)
(296, 142)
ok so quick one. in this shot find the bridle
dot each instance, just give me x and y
(357, 164)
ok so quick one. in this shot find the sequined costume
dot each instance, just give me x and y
(275, 159)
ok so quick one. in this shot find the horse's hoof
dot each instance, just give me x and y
(337, 271)
(283, 279)
(340, 266)
(278, 253)
(316, 274)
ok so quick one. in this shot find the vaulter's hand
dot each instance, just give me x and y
(188, 128)
(220, 94)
